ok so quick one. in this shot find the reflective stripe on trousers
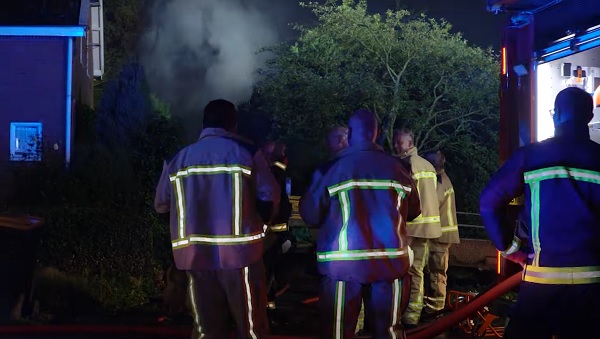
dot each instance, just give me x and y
(562, 275)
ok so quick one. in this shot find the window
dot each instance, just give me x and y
(25, 141)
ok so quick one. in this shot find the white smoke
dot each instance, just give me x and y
(195, 51)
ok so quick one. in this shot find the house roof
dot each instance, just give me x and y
(554, 19)
(43, 12)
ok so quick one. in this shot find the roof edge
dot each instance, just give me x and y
(57, 31)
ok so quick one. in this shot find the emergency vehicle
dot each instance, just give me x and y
(547, 45)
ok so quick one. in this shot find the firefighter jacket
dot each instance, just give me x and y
(361, 201)
(560, 180)
(280, 221)
(211, 187)
(426, 225)
(448, 219)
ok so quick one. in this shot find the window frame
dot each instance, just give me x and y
(39, 148)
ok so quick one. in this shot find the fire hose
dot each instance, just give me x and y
(423, 332)
(443, 324)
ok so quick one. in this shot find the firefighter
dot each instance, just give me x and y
(211, 188)
(439, 249)
(277, 240)
(361, 201)
(425, 227)
(337, 140)
(560, 180)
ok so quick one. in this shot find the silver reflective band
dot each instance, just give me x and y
(365, 254)
(514, 247)
(217, 240)
(335, 189)
(209, 170)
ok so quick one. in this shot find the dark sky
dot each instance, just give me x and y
(470, 17)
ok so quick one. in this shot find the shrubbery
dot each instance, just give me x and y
(100, 225)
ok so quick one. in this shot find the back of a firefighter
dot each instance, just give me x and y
(425, 227)
(361, 201)
(560, 180)
(439, 249)
(210, 189)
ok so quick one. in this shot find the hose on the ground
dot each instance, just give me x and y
(442, 324)
(424, 332)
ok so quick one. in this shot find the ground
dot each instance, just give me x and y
(303, 318)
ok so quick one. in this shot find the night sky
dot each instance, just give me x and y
(470, 17)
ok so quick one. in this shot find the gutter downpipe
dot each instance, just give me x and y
(68, 101)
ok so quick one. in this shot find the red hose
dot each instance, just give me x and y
(443, 324)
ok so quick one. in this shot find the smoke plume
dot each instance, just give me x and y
(194, 51)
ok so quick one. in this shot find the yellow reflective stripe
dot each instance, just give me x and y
(237, 204)
(424, 220)
(396, 303)
(248, 292)
(367, 184)
(192, 295)
(449, 213)
(449, 228)
(361, 254)
(278, 227)
(562, 275)
(216, 169)
(280, 165)
(338, 313)
(180, 202)
(535, 222)
(216, 240)
(449, 191)
(424, 175)
(562, 172)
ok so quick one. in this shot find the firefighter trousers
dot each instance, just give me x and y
(272, 260)
(218, 295)
(340, 302)
(437, 266)
(545, 311)
(420, 247)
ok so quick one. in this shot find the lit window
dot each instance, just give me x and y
(26, 141)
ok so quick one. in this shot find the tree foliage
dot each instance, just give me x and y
(410, 70)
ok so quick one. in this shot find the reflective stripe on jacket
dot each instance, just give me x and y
(361, 201)
(210, 188)
(560, 180)
(448, 219)
(280, 220)
(426, 225)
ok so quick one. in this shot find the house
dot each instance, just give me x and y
(46, 73)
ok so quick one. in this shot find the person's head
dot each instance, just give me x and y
(437, 159)
(267, 147)
(403, 140)
(573, 106)
(278, 154)
(337, 139)
(362, 127)
(220, 114)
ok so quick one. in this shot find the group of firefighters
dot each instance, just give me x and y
(382, 219)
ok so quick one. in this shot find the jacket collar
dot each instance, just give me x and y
(362, 146)
(214, 132)
(409, 153)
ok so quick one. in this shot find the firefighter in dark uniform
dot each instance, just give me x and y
(560, 179)
(211, 189)
(361, 201)
(277, 235)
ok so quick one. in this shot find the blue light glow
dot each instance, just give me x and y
(70, 31)
(563, 49)
(68, 122)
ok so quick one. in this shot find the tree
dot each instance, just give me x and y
(409, 70)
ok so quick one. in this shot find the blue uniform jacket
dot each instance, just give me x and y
(560, 180)
(361, 201)
(211, 189)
